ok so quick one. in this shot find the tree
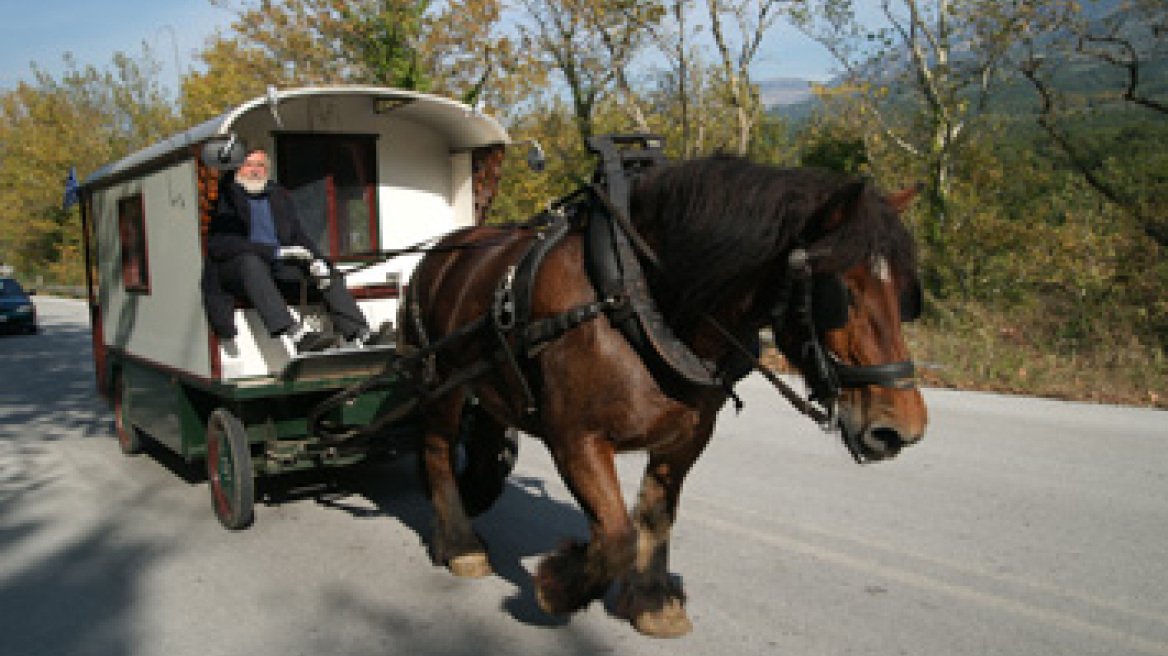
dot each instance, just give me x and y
(384, 43)
(752, 18)
(834, 146)
(1127, 45)
(589, 44)
(84, 119)
(453, 50)
(669, 30)
(232, 74)
(471, 56)
(925, 75)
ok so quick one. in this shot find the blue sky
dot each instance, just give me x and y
(42, 31)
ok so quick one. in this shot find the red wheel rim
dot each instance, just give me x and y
(221, 477)
(119, 419)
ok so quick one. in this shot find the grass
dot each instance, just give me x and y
(993, 353)
(987, 351)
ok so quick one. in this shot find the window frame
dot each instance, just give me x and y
(286, 140)
(141, 255)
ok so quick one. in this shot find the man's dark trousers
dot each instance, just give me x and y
(267, 285)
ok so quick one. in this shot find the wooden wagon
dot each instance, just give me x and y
(369, 169)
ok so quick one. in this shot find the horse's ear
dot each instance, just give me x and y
(903, 198)
(843, 203)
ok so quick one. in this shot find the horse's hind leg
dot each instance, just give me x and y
(453, 542)
(576, 574)
(649, 598)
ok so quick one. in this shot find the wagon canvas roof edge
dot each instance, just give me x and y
(464, 126)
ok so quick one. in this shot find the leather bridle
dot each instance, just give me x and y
(825, 373)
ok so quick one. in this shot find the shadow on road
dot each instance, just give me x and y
(48, 379)
(79, 588)
(79, 596)
(64, 588)
(526, 521)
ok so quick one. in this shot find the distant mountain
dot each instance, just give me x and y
(783, 91)
(1089, 81)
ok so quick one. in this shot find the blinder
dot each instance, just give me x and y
(912, 301)
(831, 300)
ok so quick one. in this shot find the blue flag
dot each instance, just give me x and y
(72, 189)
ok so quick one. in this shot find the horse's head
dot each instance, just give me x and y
(847, 278)
(856, 287)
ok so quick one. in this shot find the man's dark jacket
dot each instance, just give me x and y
(228, 236)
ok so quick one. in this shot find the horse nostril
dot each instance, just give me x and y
(889, 437)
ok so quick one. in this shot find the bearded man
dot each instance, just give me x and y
(256, 246)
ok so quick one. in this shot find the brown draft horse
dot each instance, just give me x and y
(723, 229)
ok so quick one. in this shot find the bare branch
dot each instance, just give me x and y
(1047, 120)
(1129, 60)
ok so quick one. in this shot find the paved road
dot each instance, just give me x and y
(1019, 526)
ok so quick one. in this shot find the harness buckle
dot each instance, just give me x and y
(503, 310)
(829, 424)
(799, 261)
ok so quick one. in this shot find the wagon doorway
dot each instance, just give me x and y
(333, 182)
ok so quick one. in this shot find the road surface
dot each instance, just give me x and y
(1018, 526)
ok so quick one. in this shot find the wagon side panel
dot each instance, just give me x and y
(149, 267)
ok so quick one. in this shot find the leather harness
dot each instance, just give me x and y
(613, 252)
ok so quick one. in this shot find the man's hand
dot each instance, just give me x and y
(320, 271)
(294, 253)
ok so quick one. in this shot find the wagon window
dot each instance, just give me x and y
(132, 232)
(333, 182)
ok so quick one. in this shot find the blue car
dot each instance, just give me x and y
(17, 312)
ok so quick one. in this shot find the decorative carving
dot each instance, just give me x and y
(486, 165)
(208, 197)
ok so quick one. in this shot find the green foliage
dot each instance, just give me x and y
(1033, 274)
(523, 193)
(84, 119)
(835, 147)
(383, 42)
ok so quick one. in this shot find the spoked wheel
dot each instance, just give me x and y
(129, 437)
(487, 453)
(229, 470)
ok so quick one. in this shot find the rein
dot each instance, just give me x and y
(422, 388)
(423, 247)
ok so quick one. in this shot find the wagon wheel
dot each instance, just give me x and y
(486, 455)
(229, 470)
(129, 437)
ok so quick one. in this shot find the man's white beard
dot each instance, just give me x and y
(253, 187)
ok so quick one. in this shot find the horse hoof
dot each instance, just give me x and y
(671, 621)
(472, 565)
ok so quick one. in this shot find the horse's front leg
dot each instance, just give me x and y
(573, 576)
(649, 598)
(453, 541)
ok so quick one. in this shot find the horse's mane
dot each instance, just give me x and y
(723, 222)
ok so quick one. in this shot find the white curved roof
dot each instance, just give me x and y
(464, 126)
